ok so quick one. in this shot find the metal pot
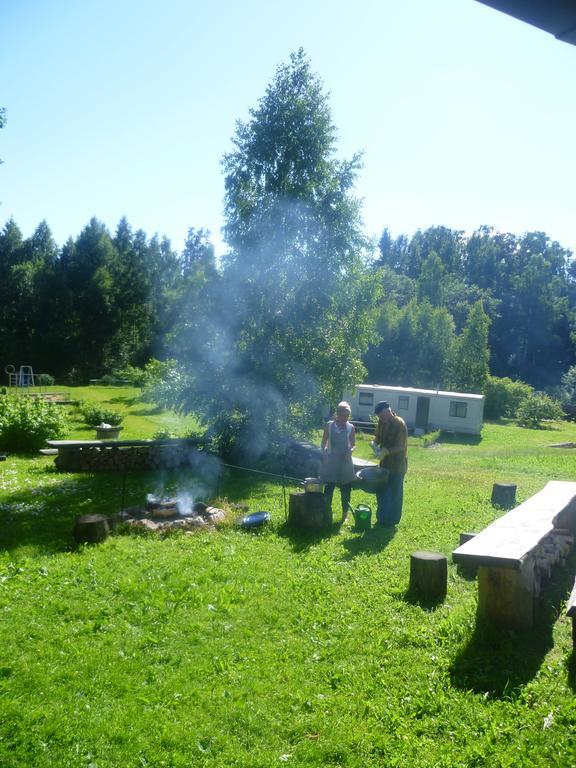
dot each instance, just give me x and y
(313, 485)
(372, 479)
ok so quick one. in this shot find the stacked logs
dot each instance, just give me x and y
(553, 550)
(123, 458)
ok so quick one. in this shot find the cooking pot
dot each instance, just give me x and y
(371, 479)
(313, 485)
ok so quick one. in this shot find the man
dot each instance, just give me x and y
(391, 445)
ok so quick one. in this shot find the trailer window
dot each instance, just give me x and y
(403, 403)
(458, 409)
(366, 398)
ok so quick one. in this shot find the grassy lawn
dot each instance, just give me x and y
(229, 648)
(141, 420)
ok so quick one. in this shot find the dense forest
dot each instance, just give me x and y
(105, 301)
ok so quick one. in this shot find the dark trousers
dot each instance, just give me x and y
(390, 500)
(345, 492)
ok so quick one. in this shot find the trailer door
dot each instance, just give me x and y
(422, 411)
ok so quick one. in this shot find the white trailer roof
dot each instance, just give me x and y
(413, 390)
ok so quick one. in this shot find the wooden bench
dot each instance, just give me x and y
(516, 552)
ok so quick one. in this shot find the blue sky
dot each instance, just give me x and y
(125, 107)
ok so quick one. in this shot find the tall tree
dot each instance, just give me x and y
(89, 283)
(130, 301)
(430, 279)
(471, 367)
(294, 306)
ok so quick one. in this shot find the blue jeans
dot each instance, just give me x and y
(389, 510)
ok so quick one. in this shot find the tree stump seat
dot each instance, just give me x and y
(504, 495)
(309, 511)
(428, 576)
(90, 529)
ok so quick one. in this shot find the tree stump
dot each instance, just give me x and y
(428, 576)
(90, 529)
(308, 510)
(296, 509)
(504, 495)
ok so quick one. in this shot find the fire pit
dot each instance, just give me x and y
(161, 507)
(163, 513)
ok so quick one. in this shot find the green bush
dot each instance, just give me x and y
(27, 422)
(94, 415)
(130, 373)
(163, 382)
(537, 408)
(503, 397)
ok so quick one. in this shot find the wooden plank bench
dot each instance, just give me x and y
(515, 554)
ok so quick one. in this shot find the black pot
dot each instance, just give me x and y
(371, 479)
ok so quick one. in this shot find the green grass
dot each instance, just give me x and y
(140, 420)
(233, 649)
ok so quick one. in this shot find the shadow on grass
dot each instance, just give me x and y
(124, 400)
(149, 410)
(43, 514)
(369, 542)
(302, 539)
(501, 662)
(427, 604)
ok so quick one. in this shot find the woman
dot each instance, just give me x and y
(338, 442)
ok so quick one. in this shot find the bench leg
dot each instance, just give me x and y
(506, 597)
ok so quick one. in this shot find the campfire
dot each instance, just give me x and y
(162, 513)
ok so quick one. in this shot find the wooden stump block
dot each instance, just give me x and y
(90, 529)
(296, 509)
(308, 510)
(504, 495)
(506, 596)
(428, 576)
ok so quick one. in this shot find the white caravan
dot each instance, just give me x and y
(423, 410)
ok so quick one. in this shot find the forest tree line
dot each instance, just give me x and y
(105, 301)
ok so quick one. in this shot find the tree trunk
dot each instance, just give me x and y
(428, 576)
